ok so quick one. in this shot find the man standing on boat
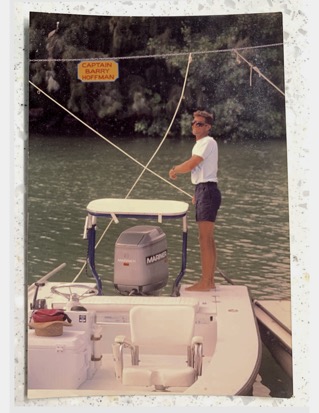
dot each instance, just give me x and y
(203, 166)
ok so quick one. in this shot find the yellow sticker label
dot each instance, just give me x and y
(98, 71)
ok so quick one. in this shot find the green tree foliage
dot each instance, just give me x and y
(152, 53)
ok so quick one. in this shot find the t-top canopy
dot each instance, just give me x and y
(137, 207)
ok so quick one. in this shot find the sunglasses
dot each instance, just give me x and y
(199, 124)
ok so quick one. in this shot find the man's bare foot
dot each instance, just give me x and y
(200, 286)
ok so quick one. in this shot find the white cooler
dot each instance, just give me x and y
(59, 362)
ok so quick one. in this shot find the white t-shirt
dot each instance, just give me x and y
(206, 170)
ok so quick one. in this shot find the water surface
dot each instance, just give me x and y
(252, 228)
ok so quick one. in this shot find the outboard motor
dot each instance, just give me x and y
(141, 261)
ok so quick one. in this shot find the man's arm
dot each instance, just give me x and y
(185, 167)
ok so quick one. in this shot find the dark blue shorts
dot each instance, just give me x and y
(207, 201)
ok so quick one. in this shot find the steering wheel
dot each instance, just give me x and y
(89, 291)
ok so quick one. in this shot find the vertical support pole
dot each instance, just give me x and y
(175, 290)
(91, 251)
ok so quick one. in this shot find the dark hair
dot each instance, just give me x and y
(209, 117)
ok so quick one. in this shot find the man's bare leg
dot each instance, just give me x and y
(208, 257)
(212, 278)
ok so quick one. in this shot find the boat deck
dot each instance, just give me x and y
(230, 363)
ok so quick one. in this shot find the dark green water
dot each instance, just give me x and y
(252, 229)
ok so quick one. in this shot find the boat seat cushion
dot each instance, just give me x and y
(162, 325)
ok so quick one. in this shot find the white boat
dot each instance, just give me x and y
(139, 342)
(274, 320)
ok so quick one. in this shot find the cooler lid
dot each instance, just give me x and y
(69, 340)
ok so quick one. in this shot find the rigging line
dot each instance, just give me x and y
(108, 141)
(115, 146)
(159, 146)
(150, 160)
(158, 55)
(169, 127)
(255, 68)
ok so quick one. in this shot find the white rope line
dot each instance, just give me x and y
(159, 146)
(168, 129)
(165, 55)
(108, 141)
(255, 68)
(150, 160)
(115, 146)
(121, 150)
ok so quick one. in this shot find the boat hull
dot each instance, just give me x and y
(275, 330)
